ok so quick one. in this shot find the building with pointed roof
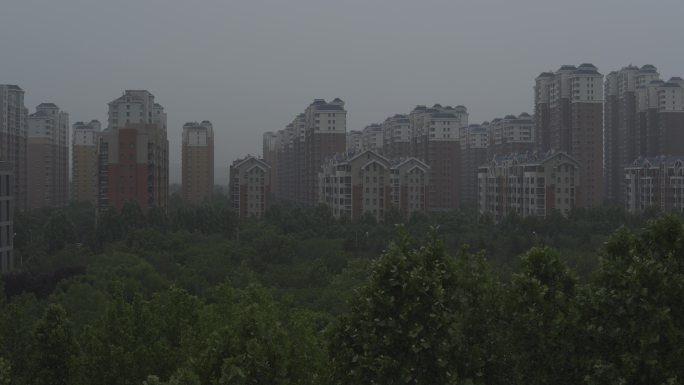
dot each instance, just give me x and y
(655, 182)
(249, 186)
(367, 183)
(529, 184)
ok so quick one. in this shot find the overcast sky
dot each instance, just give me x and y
(251, 66)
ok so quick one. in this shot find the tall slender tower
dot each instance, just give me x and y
(84, 168)
(134, 153)
(198, 161)
(47, 152)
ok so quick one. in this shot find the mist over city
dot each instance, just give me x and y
(336, 193)
(249, 67)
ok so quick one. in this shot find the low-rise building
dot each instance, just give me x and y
(530, 184)
(367, 183)
(655, 182)
(250, 186)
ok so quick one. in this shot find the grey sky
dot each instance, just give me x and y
(250, 66)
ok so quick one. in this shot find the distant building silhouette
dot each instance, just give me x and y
(47, 152)
(13, 133)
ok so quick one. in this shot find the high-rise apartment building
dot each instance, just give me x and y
(436, 134)
(302, 148)
(13, 132)
(669, 139)
(372, 138)
(6, 217)
(625, 137)
(572, 99)
(47, 153)
(355, 141)
(397, 137)
(325, 135)
(512, 134)
(134, 153)
(84, 161)
(198, 161)
(250, 184)
(531, 184)
(367, 183)
(643, 118)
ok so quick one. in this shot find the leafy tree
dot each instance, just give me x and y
(634, 312)
(58, 232)
(401, 328)
(5, 372)
(258, 342)
(54, 348)
(545, 338)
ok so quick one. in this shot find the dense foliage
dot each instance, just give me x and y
(198, 296)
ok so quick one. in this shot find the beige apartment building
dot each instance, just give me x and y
(198, 161)
(250, 187)
(532, 184)
(47, 152)
(84, 161)
(367, 183)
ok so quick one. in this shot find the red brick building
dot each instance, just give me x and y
(134, 166)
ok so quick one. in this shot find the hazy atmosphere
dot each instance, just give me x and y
(251, 66)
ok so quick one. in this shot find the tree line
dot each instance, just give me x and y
(196, 295)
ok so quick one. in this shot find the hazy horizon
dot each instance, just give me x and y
(251, 67)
